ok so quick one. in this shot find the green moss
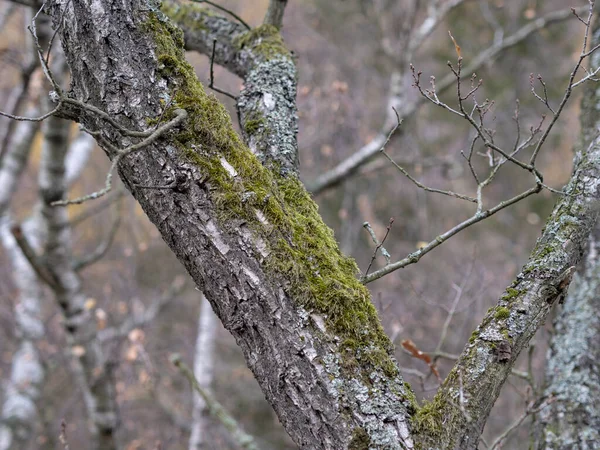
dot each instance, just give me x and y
(190, 15)
(511, 293)
(302, 249)
(545, 251)
(502, 313)
(474, 336)
(428, 419)
(360, 439)
(264, 41)
(254, 123)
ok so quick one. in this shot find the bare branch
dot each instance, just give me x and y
(275, 13)
(34, 260)
(532, 408)
(379, 245)
(351, 164)
(243, 439)
(100, 251)
(413, 258)
(118, 155)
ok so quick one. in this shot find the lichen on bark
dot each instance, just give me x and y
(300, 250)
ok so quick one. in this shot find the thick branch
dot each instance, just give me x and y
(251, 238)
(507, 329)
(202, 26)
(572, 377)
(275, 13)
(267, 104)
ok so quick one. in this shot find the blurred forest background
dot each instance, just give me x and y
(343, 56)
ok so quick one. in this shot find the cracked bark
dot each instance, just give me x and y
(326, 393)
(572, 420)
(311, 374)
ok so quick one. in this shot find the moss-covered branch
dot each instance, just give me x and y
(267, 104)
(251, 237)
(572, 419)
(506, 329)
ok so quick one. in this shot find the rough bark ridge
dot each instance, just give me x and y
(251, 238)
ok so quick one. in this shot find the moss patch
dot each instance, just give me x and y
(264, 41)
(254, 123)
(428, 419)
(511, 293)
(303, 250)
(502, 313)
(473, 336)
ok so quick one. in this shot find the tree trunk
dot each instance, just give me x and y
(251, 238)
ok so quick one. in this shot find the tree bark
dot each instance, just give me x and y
(572, 419)
(19, 410)
(250, 237)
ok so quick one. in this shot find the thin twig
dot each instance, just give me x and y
(118, 155)
(414, 257)
(379, 245)
(215, 409)
(102, 248)
(531, 409)
(212, 74)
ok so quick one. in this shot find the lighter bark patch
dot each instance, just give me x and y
(261, 217)
(229, 168)
(215, 236)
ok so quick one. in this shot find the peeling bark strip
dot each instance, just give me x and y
(251, 238)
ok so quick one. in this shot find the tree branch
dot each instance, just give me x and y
(275, 13)
(350, 165)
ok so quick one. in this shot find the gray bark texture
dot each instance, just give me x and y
(252, 239)
(19, 409)
(572, 419)
(204, 367)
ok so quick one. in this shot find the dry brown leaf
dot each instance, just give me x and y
(456, 46)
(411, 348)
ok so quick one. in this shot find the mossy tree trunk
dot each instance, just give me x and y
(253, 241)
(248, 234)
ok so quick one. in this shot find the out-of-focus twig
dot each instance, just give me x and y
(243, 439)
